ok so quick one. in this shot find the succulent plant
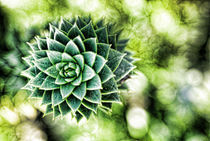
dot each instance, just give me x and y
(78, 67)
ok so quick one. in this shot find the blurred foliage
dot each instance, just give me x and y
(10, 56)
(169, 39)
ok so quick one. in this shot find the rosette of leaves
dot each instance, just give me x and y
(78, 67)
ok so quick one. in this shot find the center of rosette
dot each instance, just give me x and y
(70, 70)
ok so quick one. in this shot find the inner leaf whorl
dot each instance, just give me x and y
(70, 70)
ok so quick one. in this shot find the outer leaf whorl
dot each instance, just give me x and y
(77, 68)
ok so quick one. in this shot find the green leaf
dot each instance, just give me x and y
(80, 22)
(42, 43)
(89, 105)
(121, 47)
(73, 102)
(52, 71)
(78, 41)
(65, 25)
(88, 31)
(28, 86)
(80, 61)
(60, 80)
(39, 54)
(54, 56)
(72, 20)
(122, 86)
(39, 79)
(102, 35)
(103, 49)
(89, 58)
(77, 81)
(43, 63)
(49, 110)
(105, 74)
(110, 28)
(78, 116)
(66, 90)
(49, 84)
(67, 58)
(109, 86)
(30, 72)
(113, 97)
(33, 46)
(47, 97)
(77, 70)
(93, 96)
(86, 19)
(61, 37)
(37, 93)
(88, 73)
(129, 59)
(112, 41)
(94, 83)
(124, 69)
(114, 59)
(107, 106)
(59, 66)
(74, 32)
(118, 33)
(29, 60)
(71, 65)
(64, 108)
(90, 44)
(121, 44)
(80, 91)
(52, 31)
(55, 45)
(100, 23)
(99, 63)
(85, 112)
(70, 74)
(70, 79)
(71, 48)
(56, 112)
(56, 97)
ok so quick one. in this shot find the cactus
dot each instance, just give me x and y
(78, 67)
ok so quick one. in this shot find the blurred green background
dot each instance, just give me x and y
(168, 97)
